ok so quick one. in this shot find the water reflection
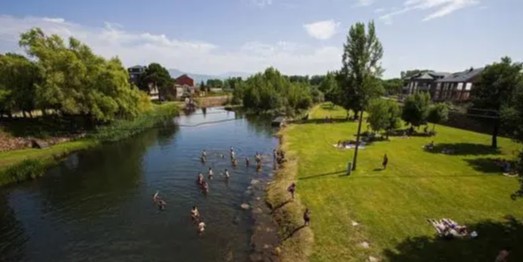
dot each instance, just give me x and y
(97, 205)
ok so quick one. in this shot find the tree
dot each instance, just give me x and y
(494, 88)
(214, 83)
(329, 87)
(361, 71)
(512, 120)
(411, 73)
(156, 76)
(416, 109)
(392, 86)
(202, 86)
(438, 113)
(383, 115)
(271, 90)
(18, 80)
(75, 81)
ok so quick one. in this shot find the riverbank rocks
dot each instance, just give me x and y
(245, 206)
(37, 143)
(354, 223)
(373, 259)
(255, 182)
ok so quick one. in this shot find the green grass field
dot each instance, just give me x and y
(392, 205)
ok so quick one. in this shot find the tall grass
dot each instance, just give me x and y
(121, 129)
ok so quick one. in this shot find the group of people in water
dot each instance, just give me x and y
(204, 185)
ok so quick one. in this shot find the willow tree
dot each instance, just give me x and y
(360, 72)
(75, 81)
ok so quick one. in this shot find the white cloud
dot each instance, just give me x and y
(437, 8)
(322, 29)
(261, 3)
(191, 56)
(365, 2)
(379, 10)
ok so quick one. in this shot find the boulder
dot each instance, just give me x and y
(245, 206)
(38, 143)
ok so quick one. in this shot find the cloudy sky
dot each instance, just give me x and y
(295, 36)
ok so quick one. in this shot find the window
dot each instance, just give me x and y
(468, 86)
(460, 86)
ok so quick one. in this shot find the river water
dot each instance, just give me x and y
(97, 204)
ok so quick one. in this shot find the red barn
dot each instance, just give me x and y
(184, 80)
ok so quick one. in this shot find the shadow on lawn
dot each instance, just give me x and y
(342, 173)
(464, 149)
(485, 165)
(493, 236)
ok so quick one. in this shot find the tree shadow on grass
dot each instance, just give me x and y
(464, 149)
(341, 172)
(493, 236)
(485, 165)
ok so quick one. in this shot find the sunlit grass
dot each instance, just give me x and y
(393, 205)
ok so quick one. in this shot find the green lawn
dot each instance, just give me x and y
(392, 206)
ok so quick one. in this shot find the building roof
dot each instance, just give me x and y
(429, 75)
(136, 66)
(464, 76)
(183, 76)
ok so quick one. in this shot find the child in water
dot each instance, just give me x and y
(211, 174)
(227, 175)
(194, 213)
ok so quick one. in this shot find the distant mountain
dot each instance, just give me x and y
(198, 78)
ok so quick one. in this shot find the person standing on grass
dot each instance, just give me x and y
(385, 161)
(307, 217)
(292, 189)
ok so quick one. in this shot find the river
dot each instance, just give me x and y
(97, 204)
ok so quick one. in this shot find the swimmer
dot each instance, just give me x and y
(205, 187)
(227, 175)
(201, 227)
(211, 174)
(194, 213)
(200, 179)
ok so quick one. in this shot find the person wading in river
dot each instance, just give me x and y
(246, 161)
(211, 174)
(227, 175)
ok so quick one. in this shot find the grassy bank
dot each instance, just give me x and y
(392, 206)
(296, 239)
(19, 165)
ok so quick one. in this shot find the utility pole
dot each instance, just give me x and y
(355, 158)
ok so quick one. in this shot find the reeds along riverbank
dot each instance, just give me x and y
(26, 164)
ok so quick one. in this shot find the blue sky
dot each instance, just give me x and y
(295, 36)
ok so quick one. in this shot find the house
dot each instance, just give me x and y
(184, 80)
(456, 87)
(423, 81)
(135, 72)
(184, 86)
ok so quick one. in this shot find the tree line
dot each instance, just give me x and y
(66, 78)
(272, 91)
